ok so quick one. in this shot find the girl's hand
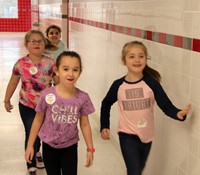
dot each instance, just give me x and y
(184, 111)
(29, 154)
(105, 134)
(89, 159)
(8, 106)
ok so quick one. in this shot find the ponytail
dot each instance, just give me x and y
(148, 71)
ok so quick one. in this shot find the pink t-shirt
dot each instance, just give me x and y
(136, 103)
(34, 78)
(59, 128)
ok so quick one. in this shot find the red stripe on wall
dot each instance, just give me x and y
(138, 33)
(196, 45)
(162, 38)
(178, 41)
(149, 35)
(173, 40)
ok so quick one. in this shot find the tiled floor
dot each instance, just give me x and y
(107, 161)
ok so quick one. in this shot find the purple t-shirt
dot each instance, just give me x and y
(59, 128)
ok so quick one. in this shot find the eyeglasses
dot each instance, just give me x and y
(36, 42)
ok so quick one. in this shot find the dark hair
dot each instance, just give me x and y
(49, 45)
(148, 71)
(71, 54)
(52, 27)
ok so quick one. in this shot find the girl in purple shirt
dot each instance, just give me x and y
(58, 112)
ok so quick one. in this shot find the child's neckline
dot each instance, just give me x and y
(65, 98)
(133, 81)
(35, 61)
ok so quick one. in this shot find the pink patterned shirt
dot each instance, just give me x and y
(34, 78)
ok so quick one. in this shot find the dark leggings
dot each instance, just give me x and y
(60, 161)
(27, 115)
(134, 152)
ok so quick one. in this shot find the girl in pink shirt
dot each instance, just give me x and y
(35, 72)
(136, 94)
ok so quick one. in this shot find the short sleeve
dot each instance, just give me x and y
(87, 107)
(42, 105)
(16, 70)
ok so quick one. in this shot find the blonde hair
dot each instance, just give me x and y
(148, 71)
(30, 32)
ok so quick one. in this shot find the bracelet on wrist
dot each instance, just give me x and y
(92, 150)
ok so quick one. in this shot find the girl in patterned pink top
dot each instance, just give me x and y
(35, 72)
(59, 111)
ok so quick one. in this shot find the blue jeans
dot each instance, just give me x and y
(27, 115)
(134, 152)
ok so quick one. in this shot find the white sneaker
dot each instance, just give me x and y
(39, 161)
(32, 171)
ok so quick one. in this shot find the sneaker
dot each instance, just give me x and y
(39, 161)
(32, 171)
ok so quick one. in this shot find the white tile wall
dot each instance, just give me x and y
(176, 149)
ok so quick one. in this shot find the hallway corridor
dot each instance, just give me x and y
(107, 161)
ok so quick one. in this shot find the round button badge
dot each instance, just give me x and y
(142, 123)
(50, 98)
(33, 70)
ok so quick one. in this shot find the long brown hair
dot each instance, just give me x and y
(148, 71)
